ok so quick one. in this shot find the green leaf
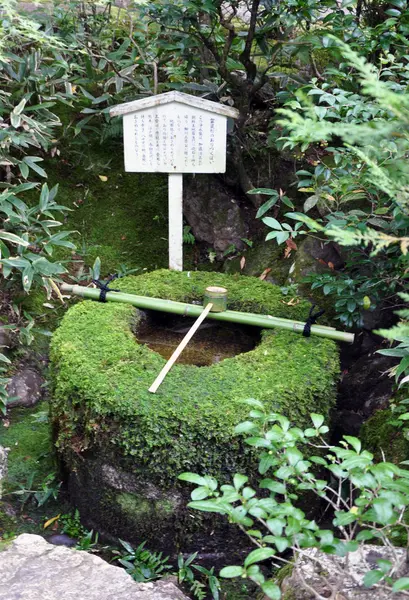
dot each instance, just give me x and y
(273, 486)
(31, 162)
(239, 481)
(271, 590)
(208, 506)
(192, 478)
(11, 237)
(317, 420)
(200, 493)
(266, 206)
(44, 197)
(293, 456)
(372, 577)
(354, 442)
(401, 584)
(285, 200)
(4, 359)
(245, 427)
(383, 509)
(267, 191)
(344, 518)
(258, 555)
(384, 565)
(273, 223)
(276, 526)
(393, 12)
(310, 202)
(230, 572)
(320, 111)
(281, 543)
(20, 107)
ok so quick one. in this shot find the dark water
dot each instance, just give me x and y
(212, 343)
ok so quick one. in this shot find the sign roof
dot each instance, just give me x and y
(180, 97)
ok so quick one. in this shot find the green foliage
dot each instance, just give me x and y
(114, 219)
(142, 564)
(188, 237)
(358, 187)
(71, 525)
(368, 499)
(186, 575)
(102, 375)
(30, 444)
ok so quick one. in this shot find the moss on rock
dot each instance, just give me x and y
(122, 218)
(31, 447)
(384, 439)
(104, 412)
(263, 255)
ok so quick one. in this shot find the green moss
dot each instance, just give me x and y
(264, 255)
(8, 524)
(31, 448)
(102, 376)
(133, 505)
(137, 507)
(122, 220)
(382, 438)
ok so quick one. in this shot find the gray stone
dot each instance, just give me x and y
(263, 255)
(214, 214)
(25, 388)
(3, 467)
(32, 569)
(314, 567)
(316, 256)
(6, 340)
(366, 386)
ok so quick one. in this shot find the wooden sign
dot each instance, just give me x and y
(175, 133)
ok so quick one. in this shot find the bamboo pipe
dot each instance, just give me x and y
(180, 349)
(193, 310)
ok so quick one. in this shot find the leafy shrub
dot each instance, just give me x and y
(367, 500)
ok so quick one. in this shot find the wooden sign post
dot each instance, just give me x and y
(175, 133)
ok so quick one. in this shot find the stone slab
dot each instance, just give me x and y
(32, 569)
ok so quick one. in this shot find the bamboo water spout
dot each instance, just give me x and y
(194, 310)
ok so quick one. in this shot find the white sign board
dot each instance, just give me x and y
(175, 138)
(175, 133)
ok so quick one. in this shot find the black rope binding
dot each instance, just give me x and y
(312, 319)
(104, 287)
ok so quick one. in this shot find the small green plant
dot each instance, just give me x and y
(188, 237)
(71, 525)
(48, 488)
(88, 542)
(368, 501)
(186, 575)
(231, 249)
(142, 564)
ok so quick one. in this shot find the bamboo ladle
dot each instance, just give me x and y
(215, 300)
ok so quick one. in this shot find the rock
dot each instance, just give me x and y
(122, 471)
(31, 569)
(346, 422)
(6, 340)
(25, 388)
(264, 255)
(349, 582)
(62, 539)
(3, 467)
(214, 214)
(316, 256)
(366, 385)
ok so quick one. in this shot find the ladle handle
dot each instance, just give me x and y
(180, 349)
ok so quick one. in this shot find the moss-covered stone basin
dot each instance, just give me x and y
(124, 447)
